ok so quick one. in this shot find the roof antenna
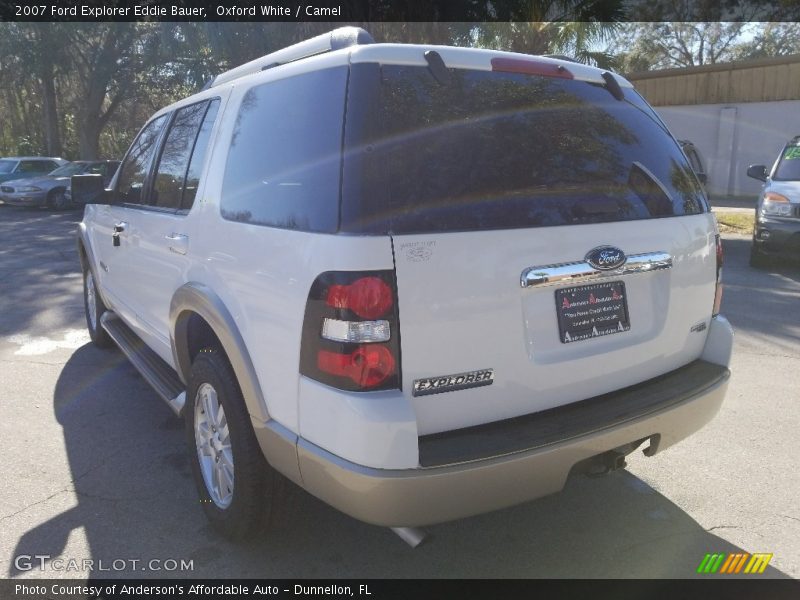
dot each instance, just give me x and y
(437, 67)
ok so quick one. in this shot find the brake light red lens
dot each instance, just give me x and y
(368, 297)
(531, 67)
(718, 288)
(367, 366)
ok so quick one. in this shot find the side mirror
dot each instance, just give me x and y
(702, 177)
(757, 172)
(90, 189)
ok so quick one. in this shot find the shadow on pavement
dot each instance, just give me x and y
(38, 269)
(136, 500)
(762, 302)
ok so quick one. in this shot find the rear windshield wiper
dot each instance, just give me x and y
(437, 67)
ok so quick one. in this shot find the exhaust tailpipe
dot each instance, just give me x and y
(410, 535)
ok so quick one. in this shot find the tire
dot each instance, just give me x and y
(57, 199)
(234, 481)
(94, 308)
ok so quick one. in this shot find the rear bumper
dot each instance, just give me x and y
(428, 495)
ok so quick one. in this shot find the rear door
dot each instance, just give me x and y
(160, 229)
(550, 241)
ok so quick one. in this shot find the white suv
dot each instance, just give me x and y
(421, 282)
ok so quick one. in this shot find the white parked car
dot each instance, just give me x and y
(421, 282)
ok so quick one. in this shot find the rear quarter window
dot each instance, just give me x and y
(283, 166)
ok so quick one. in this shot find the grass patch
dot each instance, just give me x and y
(735, 222)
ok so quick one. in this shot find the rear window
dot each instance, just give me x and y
(789, 163)
(284, 161)
(492, 150)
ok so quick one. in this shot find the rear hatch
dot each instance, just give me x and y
(551, 241)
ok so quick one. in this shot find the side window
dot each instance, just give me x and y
(199, 156)
(32, 166)
(137, 163)
(171, 173)
(283, 167)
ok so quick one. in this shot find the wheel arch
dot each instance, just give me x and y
(88, 261)
(197, 313)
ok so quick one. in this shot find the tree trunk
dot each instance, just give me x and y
(45, 57)
(52, 135)
(89, 138)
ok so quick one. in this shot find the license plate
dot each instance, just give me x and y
(590, 311)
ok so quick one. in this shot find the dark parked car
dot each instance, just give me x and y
(777, 230)
(695, 159)
(50, 189)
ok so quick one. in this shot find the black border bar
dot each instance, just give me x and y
(406, 589)
(364, 11)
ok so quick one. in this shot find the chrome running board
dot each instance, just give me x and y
(161, 377)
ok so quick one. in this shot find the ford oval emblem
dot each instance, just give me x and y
(605, 258)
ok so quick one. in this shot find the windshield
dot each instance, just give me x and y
(494, 150)
(6, 166)
(789, 164)
(69, 169)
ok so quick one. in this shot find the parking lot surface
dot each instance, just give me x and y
(96, 466)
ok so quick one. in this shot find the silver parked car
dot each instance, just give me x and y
(777, 230)
(49, 190)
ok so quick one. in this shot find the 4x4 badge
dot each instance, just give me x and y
(605, 258)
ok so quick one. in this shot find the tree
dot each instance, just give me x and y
(645, 46)
(684, 33)
(770, 39)
(107, 58)
(572, 27)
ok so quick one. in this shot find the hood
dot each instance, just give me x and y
(790, 189)
(22, 182)
(41, 181)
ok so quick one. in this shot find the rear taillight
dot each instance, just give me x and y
(367, 297)
(718, 290)
(351, 331)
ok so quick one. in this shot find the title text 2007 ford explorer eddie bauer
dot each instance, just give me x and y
(421, 282)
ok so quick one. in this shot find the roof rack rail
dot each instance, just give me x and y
(343, 37)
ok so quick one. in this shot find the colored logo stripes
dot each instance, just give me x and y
(731, 564)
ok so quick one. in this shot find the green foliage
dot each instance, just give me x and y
(85, 89)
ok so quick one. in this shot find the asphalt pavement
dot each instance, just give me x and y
(96, 465)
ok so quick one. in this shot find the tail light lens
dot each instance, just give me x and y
(718, 290)
(351, 331)
(367, 297)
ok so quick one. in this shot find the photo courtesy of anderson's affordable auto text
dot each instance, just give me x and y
(307, 309)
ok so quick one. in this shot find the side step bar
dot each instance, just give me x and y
(152, 367)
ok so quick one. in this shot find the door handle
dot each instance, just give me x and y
(118, 228)
(178, 242)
